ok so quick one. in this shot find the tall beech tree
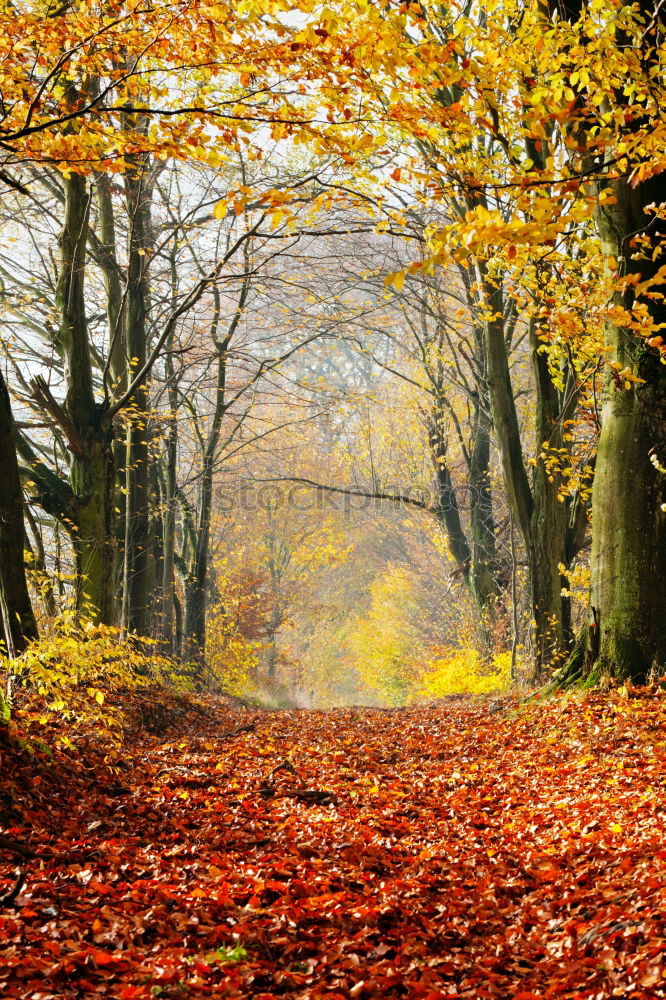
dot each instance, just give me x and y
(627, 635)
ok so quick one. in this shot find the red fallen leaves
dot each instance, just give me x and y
(456, 853)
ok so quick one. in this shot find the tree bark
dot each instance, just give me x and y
(543, 521)
(629, 526)
(84, 422)
(549, 526)
(137, 500)
(18, 621)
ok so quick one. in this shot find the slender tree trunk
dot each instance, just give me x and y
(137, 509)
(156, 552)
(116, 375)
(197, 581)
(194, 620)
(549, 527)
(168, 510)
(194, 625)
(178, 624)
(18, 621)
(474, 557)
(39, 556)
(165, 609)
(485, 578)
(272, 652)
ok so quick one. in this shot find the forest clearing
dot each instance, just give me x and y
(472, 849)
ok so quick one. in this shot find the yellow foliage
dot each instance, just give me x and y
(578, 580)
(77, 663)
(463, 671)
(232, 658)
(385, 636)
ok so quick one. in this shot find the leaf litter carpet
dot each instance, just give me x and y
(462, 850)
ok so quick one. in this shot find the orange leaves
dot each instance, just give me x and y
(509, 854)
(49, 63)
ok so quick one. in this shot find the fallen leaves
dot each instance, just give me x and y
(425, 853)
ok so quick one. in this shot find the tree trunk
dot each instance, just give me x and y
(39, 556)
(168, 511)
(137, 500)
(117, 373)
(197, 581)
(629, 525)
(549, 527)
(18, 620)
(475, 558)
(484, 578)
(194, 619)
(543, 521)
(83, 421)
(272, 651)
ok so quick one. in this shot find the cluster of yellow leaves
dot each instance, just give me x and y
(232, 658)
(518, 87)
(569, 466)
(578, 583)
(94, 83)
(75, 664)
(463, 671)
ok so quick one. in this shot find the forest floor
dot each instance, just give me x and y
(464, 850)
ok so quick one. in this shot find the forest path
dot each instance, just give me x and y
(420, 853)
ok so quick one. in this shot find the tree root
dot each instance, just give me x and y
(20, 850)
(10, 896)
(249, 727)
(313, 796)
(572, 674)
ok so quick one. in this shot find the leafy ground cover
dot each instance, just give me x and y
(470, 849)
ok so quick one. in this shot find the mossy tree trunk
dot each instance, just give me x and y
(629, 526)
(84, 422)
(627, 634)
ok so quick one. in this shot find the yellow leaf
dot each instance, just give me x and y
(397, 279)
